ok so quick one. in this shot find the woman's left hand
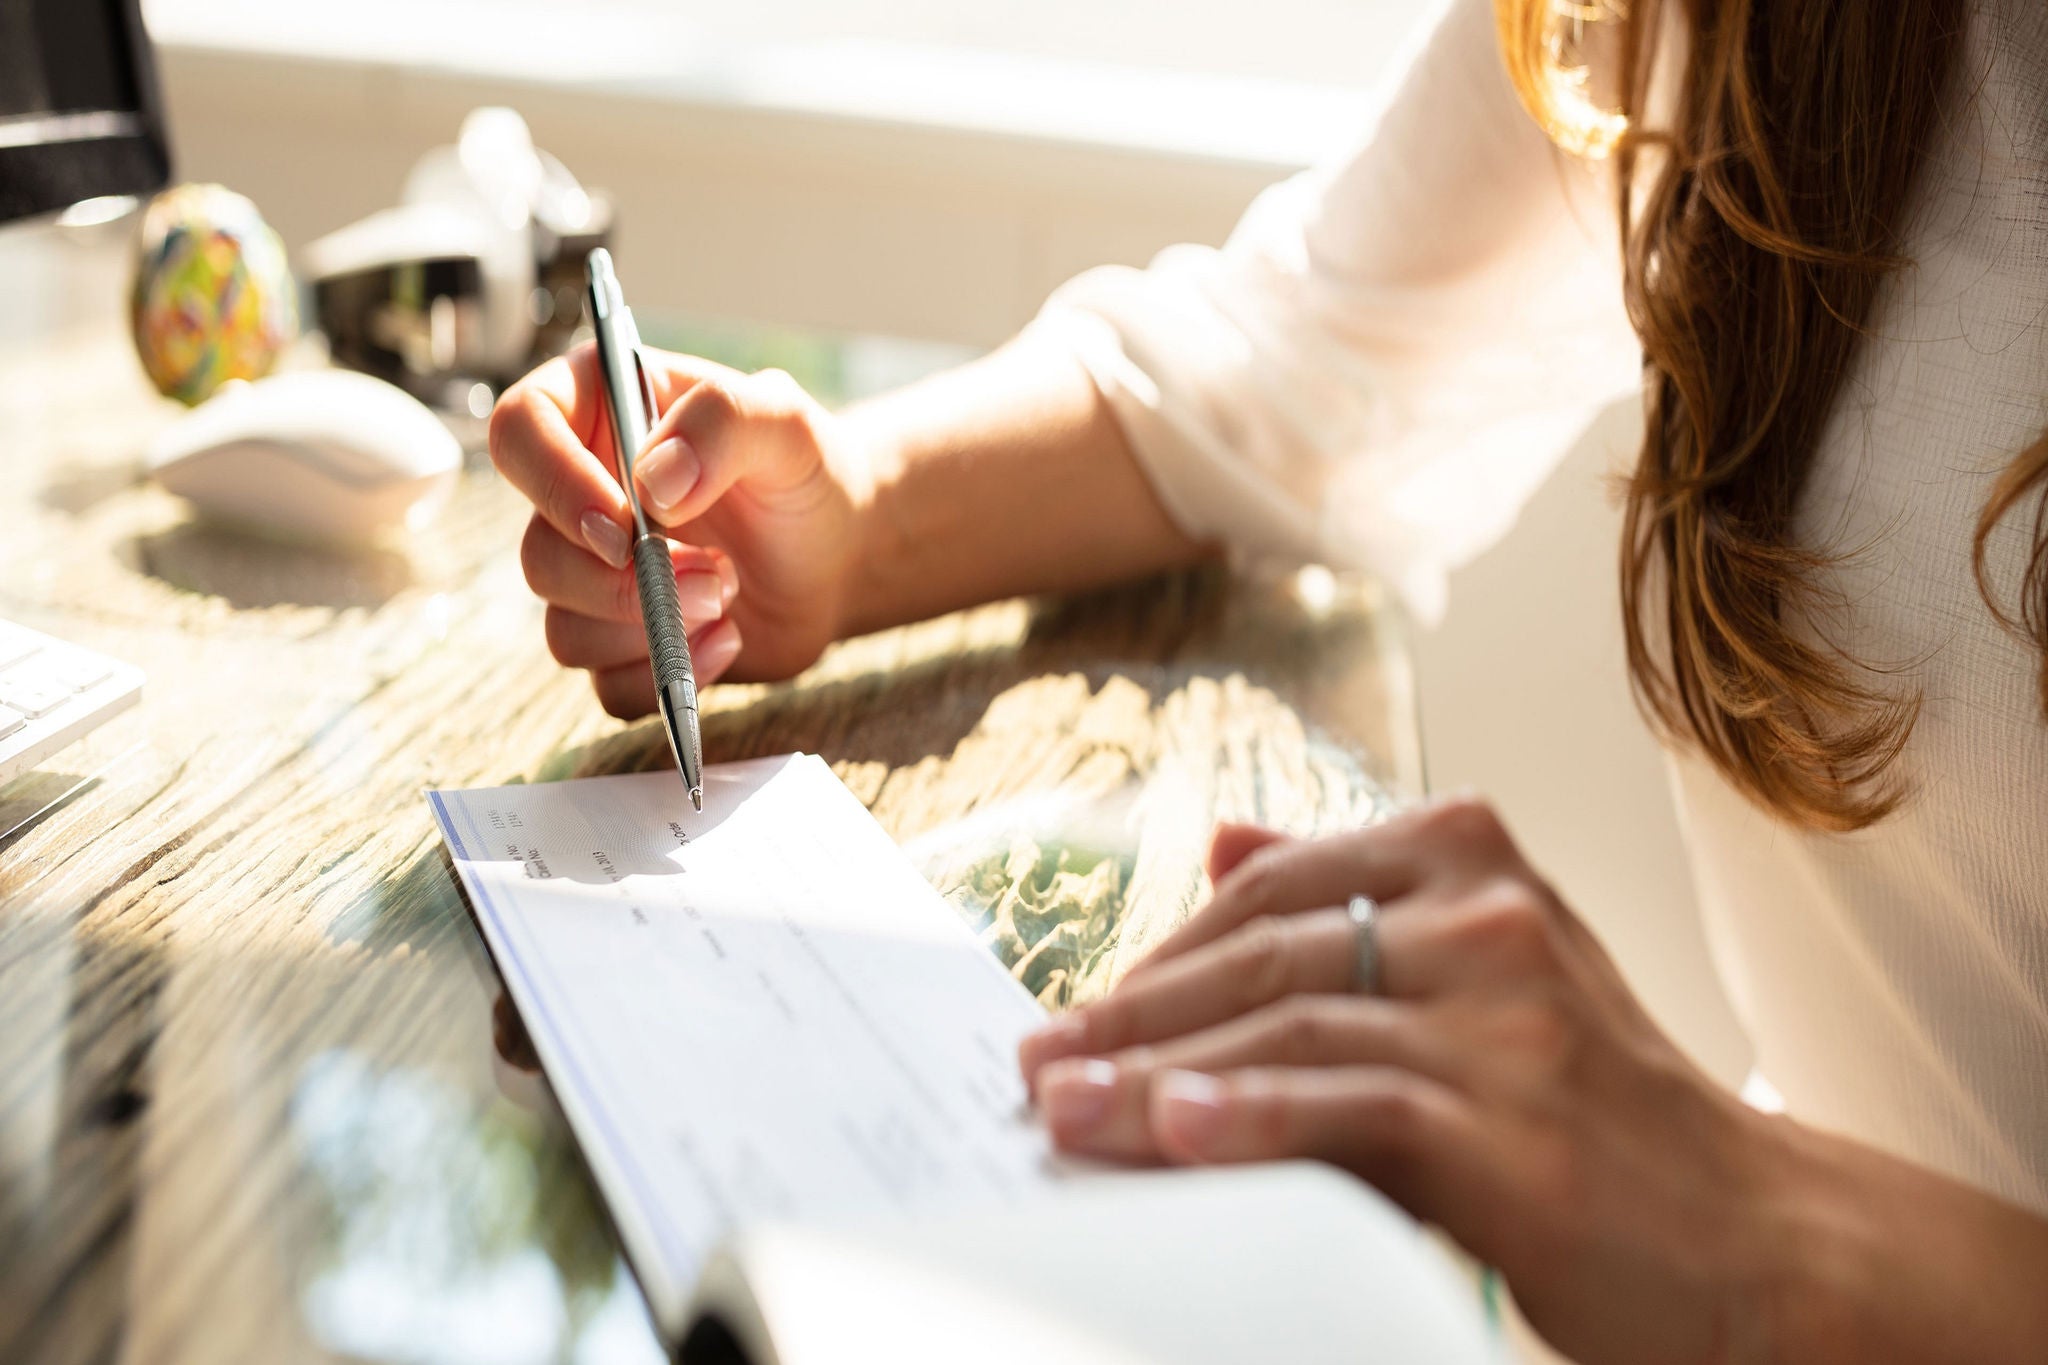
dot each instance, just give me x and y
(1501, 1082)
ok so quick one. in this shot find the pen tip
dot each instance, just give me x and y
(697, 797)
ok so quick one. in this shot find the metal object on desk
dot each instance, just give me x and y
(473, 279)
(246, 1018)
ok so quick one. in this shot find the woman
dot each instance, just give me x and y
(1815, 234)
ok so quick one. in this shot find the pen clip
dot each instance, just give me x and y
(646, 389)
(629, 458)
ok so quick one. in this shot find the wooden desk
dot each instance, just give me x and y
(249, 1104)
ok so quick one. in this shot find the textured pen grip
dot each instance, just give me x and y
(668, 646)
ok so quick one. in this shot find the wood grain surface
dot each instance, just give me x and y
(250, 1106)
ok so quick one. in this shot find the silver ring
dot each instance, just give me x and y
(1365, 971)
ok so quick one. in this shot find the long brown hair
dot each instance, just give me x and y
(1759, 219)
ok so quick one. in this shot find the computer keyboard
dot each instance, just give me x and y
(52, 693)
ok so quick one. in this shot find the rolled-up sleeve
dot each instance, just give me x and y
(1391, 352)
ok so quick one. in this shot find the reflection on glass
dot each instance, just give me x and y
(454, 1236)
(1043, 881)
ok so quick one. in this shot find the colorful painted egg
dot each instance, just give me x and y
(214, 298)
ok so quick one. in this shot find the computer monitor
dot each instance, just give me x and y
(80, 115)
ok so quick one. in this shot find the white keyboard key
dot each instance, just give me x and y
(77, 672)
(52, 694)
(32, 696)
(17, 644)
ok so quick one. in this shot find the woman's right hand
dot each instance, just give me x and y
(750, 476)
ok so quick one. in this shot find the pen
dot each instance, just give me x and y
(630, 399)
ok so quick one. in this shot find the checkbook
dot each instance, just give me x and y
(791, 1068)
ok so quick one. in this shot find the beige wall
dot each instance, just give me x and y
(795, 218)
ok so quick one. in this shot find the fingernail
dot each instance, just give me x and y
(718, 652)
(1191, 1109)
(728, 580)
(668, 473)
(1076, 1096)
(1062, 1037)
(700, 596)
(606, 538)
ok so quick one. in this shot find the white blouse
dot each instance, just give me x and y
(1392, 352)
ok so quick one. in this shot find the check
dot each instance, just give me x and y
(757, 1012)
